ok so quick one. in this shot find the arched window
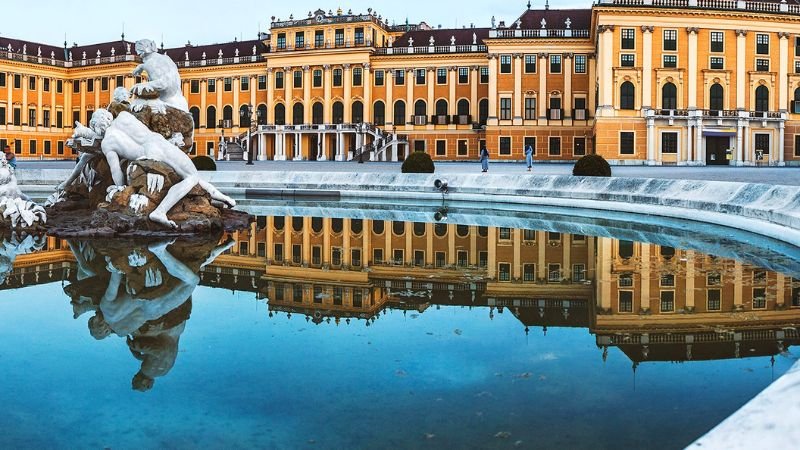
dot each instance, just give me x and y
(762, 98)
(462, 230)
(379, 113)
(625, 249)
(440, 230)
(280, 114)
(227, 116)
(317, 113)
(400, 112)
(356, 226)
(337, 225)
(419, 229)
(244, 116)
(195, 112)
(261, 113)
(398, 227)
(715, 94)
(669, 96)
(338, 112)
(462, 108)
(483, 111)
(211, 117)
(316, 224)
(357, 112)
(297, 223)
(297, 114)
(441, 107)
(627, 95)
(378, 226)
(420, 108)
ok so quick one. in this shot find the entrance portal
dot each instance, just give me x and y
(717, 150)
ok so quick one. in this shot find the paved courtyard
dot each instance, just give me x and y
(771, 175)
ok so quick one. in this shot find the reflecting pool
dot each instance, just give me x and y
(345, 331)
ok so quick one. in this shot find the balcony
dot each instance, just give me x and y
(462, 119)
(736, 5)
(510, 33)
(440, 120)
(419, 120)
(579, 114)
(431, 49)
(555, 113)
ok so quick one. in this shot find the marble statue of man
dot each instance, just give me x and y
(162, 76)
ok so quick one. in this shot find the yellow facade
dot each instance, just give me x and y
(724, 88)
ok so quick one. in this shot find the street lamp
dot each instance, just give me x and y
(247, 113)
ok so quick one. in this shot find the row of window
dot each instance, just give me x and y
(716, 41)
(579, 66)
(16, 117)
(337, 295)
(554, 273)
(713, 300)
(670, 61)
(33, 147)
(716, 97)
(300, 40)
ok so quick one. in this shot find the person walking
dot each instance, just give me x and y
(529, 156)
(10, 157)
(485, 159)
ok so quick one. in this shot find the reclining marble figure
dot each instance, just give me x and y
(127, 138)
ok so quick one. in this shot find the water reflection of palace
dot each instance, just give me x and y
(653, 302)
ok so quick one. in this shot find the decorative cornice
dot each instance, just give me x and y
(648, 28)
(604, 28)
(692, 30)
(543, 55)
(784, 35)
(568, 55)
(741, 32)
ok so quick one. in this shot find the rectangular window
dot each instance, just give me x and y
(31, 83)
(441, 148)
(59, 119)
(555, 63)
(667, 301)
(17, 117)
(504, 233)
(46, 84)
(580, 63)
(484, 75)
(439, 259)
(316, 255)
(419, 258)
(759, 298)
(625, 301)
(120, 81)
(579, 146)
(278, 81)
(669, 143)
(670, 40)
(2, 79)
(316, 78)
(337, 77)
(32, 117)
(554, 146)
(281, 41)
(319, 39)
(505, 108)
(554, 273)
(504, 272)
(578, 272)
(60, 148)
(398, 256)
(505, 145)
(462, 258)
(3, 119)
(32, 145)
(399, 77)
(796, 145)
(717, 41)
(505, 63)
(262, 82)
(297, 253)
(379, 78)
(420, 76)
(358, 76)
(377, 256)
(530, 63)
(17, 81)
(554, 112)
(46, 118)
(244, 83)
(441, 76)
(297, 293)
(359, 36)
(670, 61)
(762, 65)
(526, 142)
(529, 272)
(194, 87)
(625, 280)
(338, 37)
(18, 146)
(90, 85)
(104, 84)
(714, 300)
(463, 150)
(279, 252)
(717, 63)
(76, 86)
(299, 39)
(626, 143)
(355, 257)
(530, 108)
(762, 145)
(762, 44)
(227, 84)
(713, 279)
(59, 86)
(628, 39)
(463, 75)
(627, 59)
(298, 79)
(667, 280)
(336, 256)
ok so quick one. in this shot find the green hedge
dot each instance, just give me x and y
(592, 166)
(418, 162)
(204, 163)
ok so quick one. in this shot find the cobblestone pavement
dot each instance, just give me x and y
(771, 175)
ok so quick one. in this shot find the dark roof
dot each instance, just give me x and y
(212, 50)
(31, 47)
(120, 48)
(441, 36)
(580, 19)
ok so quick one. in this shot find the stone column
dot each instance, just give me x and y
(738, 301)
(452, 79)
(692, 72)
(348, 93)
(491, 266)
(270, 98)
(366, 81)
(219, 86)
(474, 80)
(409, 95)
(783, 72)
(389, 80)
(431, 100)
(741, 61)
(566, 101)
(288, 98)
(516, 266)
(604, 255)
(605, 63)
(428, 244)
(24, 110)
(306, 94)
(53, 104)
(262, 147)
(10, 103)
(541, 101)
(83, 100)
(327, 82)
(324, 151)
(647, 67)
(492, 119)
(326, 241)
(518, 96)
(237, 118)
(700, 152)
(645, 273)
(739, 142)
(776, 156)
(651, 139)
(541, 246)
(591, 104)
(690, 276)
(451, 245)
(566, 255)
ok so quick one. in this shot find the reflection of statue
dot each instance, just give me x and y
(163, 77)
(14, 245)
(142, 293)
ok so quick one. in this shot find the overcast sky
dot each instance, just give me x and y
(210, 21)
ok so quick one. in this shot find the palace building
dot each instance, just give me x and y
(620, 78)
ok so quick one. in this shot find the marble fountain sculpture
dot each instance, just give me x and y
(134, 175)
(17, 211)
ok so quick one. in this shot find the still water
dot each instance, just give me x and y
(330, 332)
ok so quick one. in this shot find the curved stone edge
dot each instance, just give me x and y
(771, 210)
(761, 422)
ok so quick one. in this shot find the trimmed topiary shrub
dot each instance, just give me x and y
(418, 162)
(204, 163)
(592, 166)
